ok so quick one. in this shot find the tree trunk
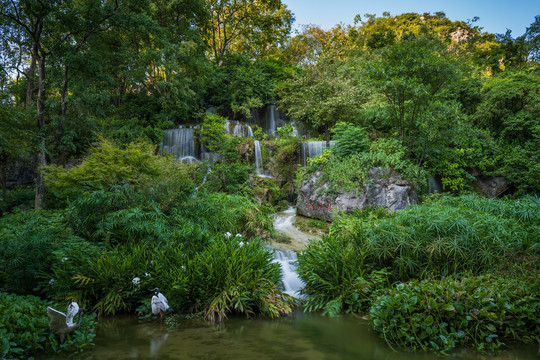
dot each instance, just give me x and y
(42, 157)
(60, 130)
(30, 77)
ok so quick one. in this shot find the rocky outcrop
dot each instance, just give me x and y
(382, 188)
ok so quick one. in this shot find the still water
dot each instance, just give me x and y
(299, 336)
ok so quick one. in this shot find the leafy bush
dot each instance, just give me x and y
(350, 172)
(350, 139)
(236, 276)
(24, 329)
(484, 312)
(21, 196)
(161, 178)
(228, 177)
(336, 277)
(28, 241)
(446, 235)
(219, 213)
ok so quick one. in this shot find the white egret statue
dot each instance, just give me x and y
(62, 324)
(159, 304)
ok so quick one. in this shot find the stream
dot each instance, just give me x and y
(298, 336)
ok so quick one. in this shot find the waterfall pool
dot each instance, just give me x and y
(299, 336)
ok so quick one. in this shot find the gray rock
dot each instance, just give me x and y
(383, 188)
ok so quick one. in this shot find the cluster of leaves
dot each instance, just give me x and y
(161, 179)
(446, 236)
(28, 243)
(485, 312)
(351, 173)
(24, 329)
(337, 278)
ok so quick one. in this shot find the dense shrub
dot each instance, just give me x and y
(24, 329)
(218, 212)
(22, 196)
(28, 243)
(160, 178)
(336, 277)
(484, 312)
(350, 139)
(446, 235)
(236, 276)
(351, 172)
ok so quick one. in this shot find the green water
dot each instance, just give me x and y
(300, 336)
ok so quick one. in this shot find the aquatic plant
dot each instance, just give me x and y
(485, 312)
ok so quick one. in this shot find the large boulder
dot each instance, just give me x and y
(382, 188)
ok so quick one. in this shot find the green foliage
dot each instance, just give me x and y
(510, 110)
(337, 278)
(228, 177)
(220, 212)
(28, 241)
(161, 178)
(326, 94)
(238, 277)
(240, 85)
(445, 235)
(411, 75)
(350, 139)
(485, 312)
(285, 160)
(24, 329)
(22, 196)
(350, 173)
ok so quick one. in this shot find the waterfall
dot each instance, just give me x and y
(179, 142)
(291, 282)
(312, 149)
(259, 167)
(271, 119)
(242, 130)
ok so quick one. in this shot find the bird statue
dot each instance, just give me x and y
(159, 304)
(62, 324)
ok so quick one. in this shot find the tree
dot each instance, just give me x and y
(511, 109)
(248, 27)
(412, 75)
(323, 96)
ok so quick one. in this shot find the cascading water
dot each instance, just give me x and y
(271, 120)
(180, 142)
(313, 148)
(259, 168)
(291, 282)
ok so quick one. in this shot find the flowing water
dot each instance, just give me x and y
(313, 148)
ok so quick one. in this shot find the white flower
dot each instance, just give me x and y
(64, 259)
(238, 235)
(241, 243)
(147, 275)
(51, 282)
(136, 281)
(228, 234)
(183, 267)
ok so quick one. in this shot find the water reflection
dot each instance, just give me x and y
(300, 336)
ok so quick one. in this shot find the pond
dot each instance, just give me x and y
(299, 336)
